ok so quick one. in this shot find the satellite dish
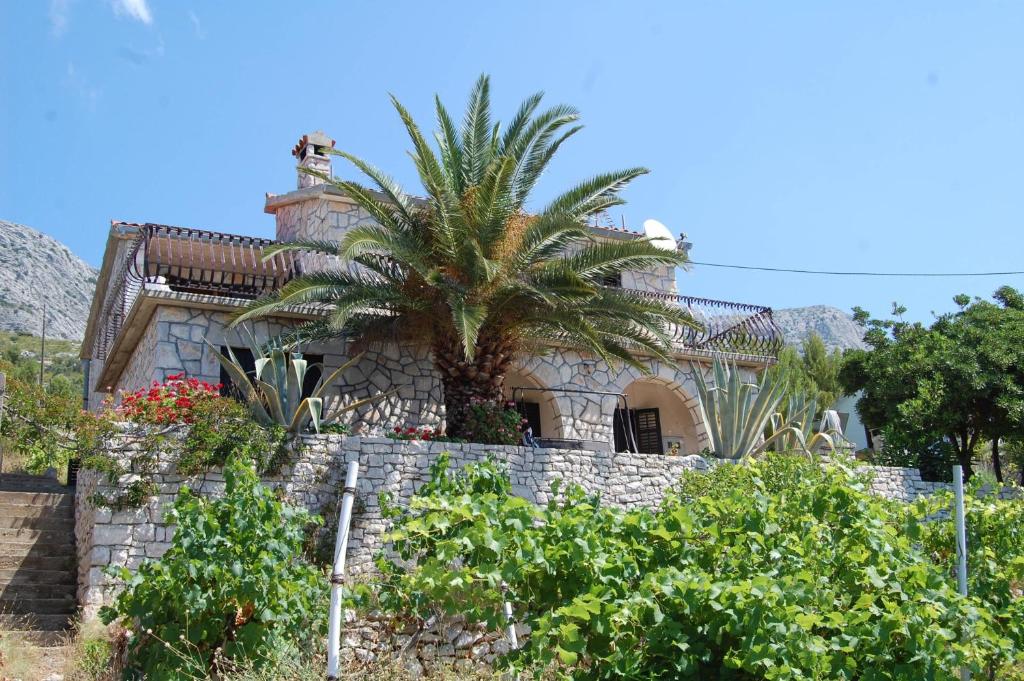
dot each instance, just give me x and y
(659, 235)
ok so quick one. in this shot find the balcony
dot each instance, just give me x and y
(192, 261)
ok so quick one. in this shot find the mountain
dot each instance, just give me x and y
(37, 269)
(835, 327)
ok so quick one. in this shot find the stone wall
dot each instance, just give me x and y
(315, 475)
(905, 484)
(314, 479)
(173, 342)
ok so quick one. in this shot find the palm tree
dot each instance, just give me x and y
(469, 271)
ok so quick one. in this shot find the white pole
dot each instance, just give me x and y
(513, 639)
(338, 571)
(961, 543)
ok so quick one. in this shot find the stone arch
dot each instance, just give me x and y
(551, 421)
(680, 415)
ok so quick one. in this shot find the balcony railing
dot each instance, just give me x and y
(725, 326)
(197, 261)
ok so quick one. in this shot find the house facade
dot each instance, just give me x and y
(165, 296)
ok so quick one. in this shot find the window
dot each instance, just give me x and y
(645, 426)
(248, 362)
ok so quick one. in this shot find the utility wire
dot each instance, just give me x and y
(856, 274)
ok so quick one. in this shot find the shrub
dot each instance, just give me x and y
(172, 401)
(232, 585)
(493, 423)
(781, 569)
(995, 556)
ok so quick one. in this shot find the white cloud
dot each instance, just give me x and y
(60, 13)
(196, 24)
(135, 9)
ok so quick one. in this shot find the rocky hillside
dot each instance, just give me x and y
(835, 327)
(37, 269)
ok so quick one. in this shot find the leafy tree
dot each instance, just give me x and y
(960, 380)
(470, 272)
(812, 371)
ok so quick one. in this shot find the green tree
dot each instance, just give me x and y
(812, 371)
(960, 380)
(470, 272)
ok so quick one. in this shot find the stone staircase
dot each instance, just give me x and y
(38, 578)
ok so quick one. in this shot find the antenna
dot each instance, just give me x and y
(659, 235)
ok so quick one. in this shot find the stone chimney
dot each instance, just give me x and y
(311, 152)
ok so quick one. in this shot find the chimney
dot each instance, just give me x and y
(312, 153)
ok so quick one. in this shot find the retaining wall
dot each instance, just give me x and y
(314, 479)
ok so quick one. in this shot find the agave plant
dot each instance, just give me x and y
(738, 412)
(274, 394)
(792, 429)
(745, 418)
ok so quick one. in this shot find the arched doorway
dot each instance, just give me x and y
(660, 416)
(534, 402)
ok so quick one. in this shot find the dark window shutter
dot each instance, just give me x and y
(648, 431)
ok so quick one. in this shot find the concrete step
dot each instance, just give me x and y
(58, 548)
(31, 561)
(20, 482)
(37, 606)
(38, 498)
(40, 523)
(17, 577)
(64, 512)
(16, 622)
(20, 535)
(57, 638)
(28, 590)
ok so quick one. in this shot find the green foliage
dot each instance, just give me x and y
(960, 380)
(907, 449)
(493, 424)
(274, 394)
(812, 371)
(127, 451)
(37, 424)
(469, 272)
(780, 569)
(233, 585)
(794, 428)
(738, 413)
(995, 557)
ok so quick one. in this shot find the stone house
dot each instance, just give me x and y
(163, 290)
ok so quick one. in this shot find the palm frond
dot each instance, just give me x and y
(593, 195)
(476, 127)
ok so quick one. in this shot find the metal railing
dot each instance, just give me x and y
(197, 261)
(725, 326)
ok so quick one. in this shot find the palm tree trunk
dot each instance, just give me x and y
(466, 382)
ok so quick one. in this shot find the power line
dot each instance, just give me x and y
(857, 274)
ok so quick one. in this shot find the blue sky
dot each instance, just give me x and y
(812, 135)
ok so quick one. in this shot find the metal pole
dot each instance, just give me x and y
(338, 571)
(513, 639)
(961, 542)
(42, 347)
